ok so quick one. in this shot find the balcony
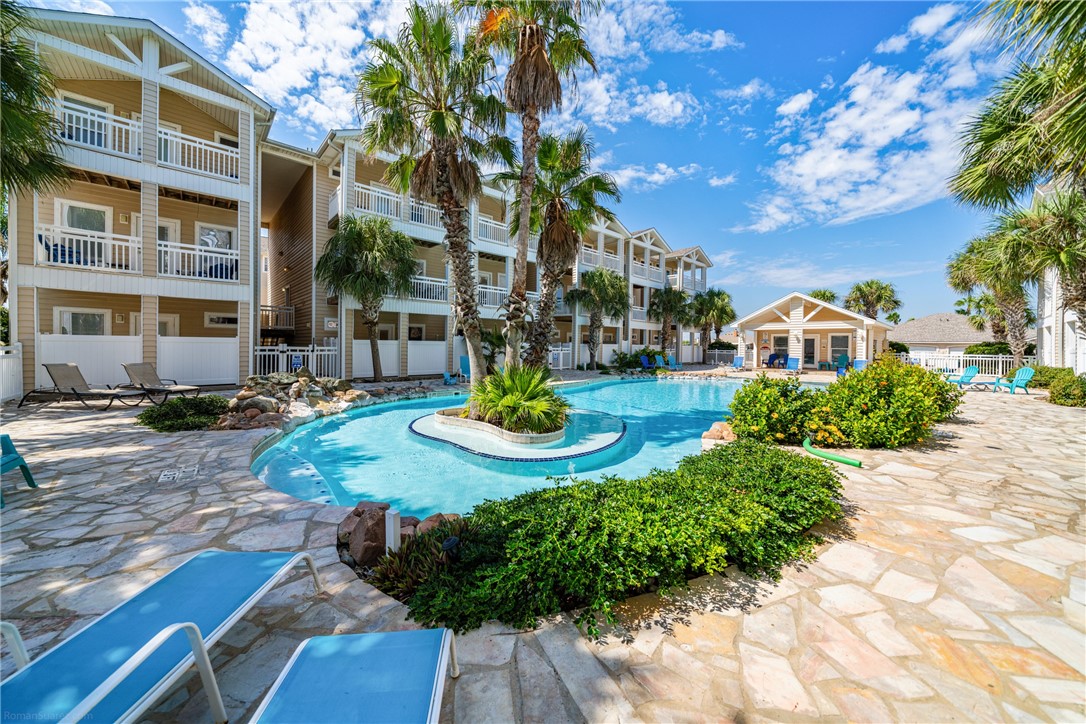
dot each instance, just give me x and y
(638, 314)
(276, 317)
(644, 271)
(189, 153)
(198, 262)
(430, 289)
(492, 296)
(488, 229)
(593, 258)
(87, 128)
(67, 247)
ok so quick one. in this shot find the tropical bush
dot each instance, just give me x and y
(1068, 390)
(625, 361)
(888, 404)
(184, 413)
(898, 347)
(518, 399)
(720, 344)
(588, 545)
(1043, 376)
(997, 348)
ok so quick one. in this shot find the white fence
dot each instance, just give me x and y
(11, 372)
(561, 356)
(99, 356)
(198, 360)
(989, 364)
(603, 354)
(362, 358)
(721, 356)
(321, 361)
(425, 358)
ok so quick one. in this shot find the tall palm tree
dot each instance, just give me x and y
(893, 318)
(427, 96)
(566, 201)
(602, 293)
(368, 260)
(710, 310)
(667, 306)
(870, 297)
(981, 264)
(824, 295)
(546, 42)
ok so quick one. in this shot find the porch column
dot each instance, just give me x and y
(742, 350)
(795, 328)
(346, 178)
(149, 328)
(861, 343)
(509, 273)
(402, 320)
(27, 328)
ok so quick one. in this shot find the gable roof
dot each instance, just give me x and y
(694, 252)
(868, 321)
(940, 328)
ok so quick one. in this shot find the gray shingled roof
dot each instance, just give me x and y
(941, 328)
(680, 252)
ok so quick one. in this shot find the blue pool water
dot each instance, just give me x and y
(370, 454)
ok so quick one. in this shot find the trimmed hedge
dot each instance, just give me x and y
(1068, 390)
(184, 413)
(1043, 376)
(590, 545)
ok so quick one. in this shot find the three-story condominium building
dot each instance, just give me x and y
(188, 239)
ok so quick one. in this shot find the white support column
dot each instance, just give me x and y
(742, 350)
(861, 344)
(347, 165)
(392, 531)
(473, 212)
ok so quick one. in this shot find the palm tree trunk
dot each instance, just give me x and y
(1014, 315)
(369, 320)
(665, 333)
(1073, 290)
(706, 330)
(517, 306)
(595, 329)
(542, 332)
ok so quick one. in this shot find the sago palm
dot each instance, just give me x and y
(368, 260)
(871, 297)
(710, 310)
(519, 399)
(427, 97)
(567, 199)
(545, 40)
(824, 295)
(602, 293)
(667, 306)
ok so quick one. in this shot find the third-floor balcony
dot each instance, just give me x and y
(644, 271)
(198, 262)
(638, 314)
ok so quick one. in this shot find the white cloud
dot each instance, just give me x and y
(797, 103)
(641, 177)
(725, 259)
(718, 181)
(794, 272)
(206, 23)
(754, 88)
(893, 44)
(929, 23)
(628, 28)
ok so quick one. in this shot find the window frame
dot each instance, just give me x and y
(235, 243)
(219, 136)
(106, 313)
(60, 215)
(208, 324)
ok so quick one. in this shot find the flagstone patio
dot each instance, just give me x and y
(957, 589)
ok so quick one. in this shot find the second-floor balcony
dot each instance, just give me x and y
(490, 296)
(430, 289)
(84, 249)
(198, 262)
(276, 317)
(88, 128)
(593, 258)
(645, 271)
(638, 314)
(690, 282)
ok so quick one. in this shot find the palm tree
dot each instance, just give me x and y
(870, 297)
(893, 318)
(981, 264)
(710, 310)
(667, 306)
(566, 202)
(368, 260)
(824, 295)
(427, 98)
(602, 293)
(546, 42)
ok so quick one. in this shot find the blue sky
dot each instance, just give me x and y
(802, 144)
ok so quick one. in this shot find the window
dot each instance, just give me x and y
(213, 263)
(220, 319)
(168, 324)
(78, 320)
(264, 259)
(82, 241)
(420, 267)
(334, 171)
(838, 345)
(214, 237)
(416, 332)
(81, 215)
(225, 140)
(485, 278)
(82, 120)
(780, 344)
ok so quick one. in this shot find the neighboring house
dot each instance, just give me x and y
(1061, 340)
(941, 333)
(815, 331)
(149, 253)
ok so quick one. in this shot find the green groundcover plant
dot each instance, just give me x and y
(518, 399)
(1068, 390)
(589, 545)
(184, 413)
(886, 405)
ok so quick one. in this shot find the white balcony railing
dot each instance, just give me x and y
(590, 257)
(68, 247)
(492, 296)
(333, 203)
(430, 289)
(533, 242)
(638, 314)
(200, 262)
(562, 307)
(425, 214)
(673, 280)
(276, 317)
(82, 126)
(656, 274)
(378, 201)
(196, 154)
(487, 229)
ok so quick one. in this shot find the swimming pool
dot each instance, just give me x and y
(370, 453)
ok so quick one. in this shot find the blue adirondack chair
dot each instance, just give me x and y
(842, 362)
(449, 379)
(672, 364)
(1020, 382)
(645, 364)
(737, 363)
(772, 361)
(792, 366)
(660, 363)
(11, 460)
(965, 378)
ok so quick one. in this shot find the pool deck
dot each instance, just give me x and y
(956, 590)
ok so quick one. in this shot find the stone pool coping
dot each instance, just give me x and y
(450, 416)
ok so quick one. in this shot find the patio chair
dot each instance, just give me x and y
(69, 385)
(450, 379)
(792, 367)
(660, 363)
(672, 364)
(772, 361)
(465, 367)
(1021, 381)
(121, 664)
(400, 675)
(842, 361)
(645, 364)
(10, 460)
(737, 363)
(144, 376)
(965, 378)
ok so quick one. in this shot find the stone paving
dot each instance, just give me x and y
(956, 589)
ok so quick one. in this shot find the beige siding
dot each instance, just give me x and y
(189, 213)
(244, 340)
(118, 304)
(494, 208)
(383, 319)
(27, 305)
(149, 138)
(124, 95)
(493, 266)
(191, 312)
(326, 186)
(291, 248)
(149, 322)
(434, 258)
(434, 326)
(25, 239)
(369, 171)
(173, 108)
(122, 201)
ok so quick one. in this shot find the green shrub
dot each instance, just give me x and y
(1043, 376)
(997, 348)
(625, 361)
(518, 399)
(720, 344)
(184, 413)
(1068, 390)
(774, 410)
(898, 347)
(592, 544)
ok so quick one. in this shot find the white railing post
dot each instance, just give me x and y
(392, 531)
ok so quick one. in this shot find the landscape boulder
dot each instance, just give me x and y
(260, 402)
(434, 521)
(366, 537)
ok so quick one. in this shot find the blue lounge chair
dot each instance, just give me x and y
(965, 378)
(1020, 382)
(400, 675)
(449, 379)
(11, 460)
(660, 363)
(119, 666)
(859, 364)
(645, 364)
(792, 366)
(672, 364)
(465, 367)
(737, 363)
